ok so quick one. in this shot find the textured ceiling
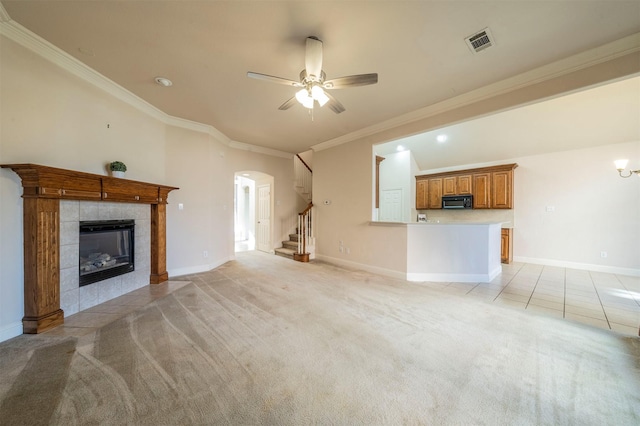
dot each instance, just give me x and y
(416, 47)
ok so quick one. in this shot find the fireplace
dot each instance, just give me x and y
(106, 249)
(51, 267)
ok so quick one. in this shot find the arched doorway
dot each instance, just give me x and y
(253, 211)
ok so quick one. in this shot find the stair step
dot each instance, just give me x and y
(285, 252)
(293, 245)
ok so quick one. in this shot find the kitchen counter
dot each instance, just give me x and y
(451, 251)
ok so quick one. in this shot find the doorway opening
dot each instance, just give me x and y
(253, 211)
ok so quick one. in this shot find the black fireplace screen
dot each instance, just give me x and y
(106, 249)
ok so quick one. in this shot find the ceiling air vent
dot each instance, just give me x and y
(480, 40)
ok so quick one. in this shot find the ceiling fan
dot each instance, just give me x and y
(313, 81)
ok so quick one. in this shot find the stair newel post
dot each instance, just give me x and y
(299, 232)
(303, 232)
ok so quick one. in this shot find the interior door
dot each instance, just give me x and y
(263, 232)
(391, 205)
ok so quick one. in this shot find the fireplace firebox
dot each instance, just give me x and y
(106, 249)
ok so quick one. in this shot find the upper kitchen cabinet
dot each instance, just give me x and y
(434, 193)
(491, 187)
(456, 185)
(502, 189)
(481, 190)
(421, 194)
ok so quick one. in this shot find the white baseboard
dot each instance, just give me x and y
(463, 278)
(373, 269)
(582, 266)
(177, 272)
(455, 278)
(10, 331)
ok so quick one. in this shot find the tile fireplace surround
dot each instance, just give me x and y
(54, 202)
(74, 298)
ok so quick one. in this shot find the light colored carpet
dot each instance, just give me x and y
(264, 340)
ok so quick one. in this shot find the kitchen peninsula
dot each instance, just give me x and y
(451, 251)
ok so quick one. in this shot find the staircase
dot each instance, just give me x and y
(289, 247)
(301, 245)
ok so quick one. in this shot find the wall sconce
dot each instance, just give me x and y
(621, 165)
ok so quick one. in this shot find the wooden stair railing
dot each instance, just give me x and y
(304, 233)
(303, 178)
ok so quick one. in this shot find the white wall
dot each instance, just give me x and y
(395, 174)
(343, 176)
(594, 209)
(50, 117)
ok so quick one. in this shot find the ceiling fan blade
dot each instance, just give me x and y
(273, 79)
(334, 104)
(351, 81)
(313, 57)
(288, 104)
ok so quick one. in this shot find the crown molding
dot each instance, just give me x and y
(577, 62)
(33, 42)
(4, 16)
(260, 150)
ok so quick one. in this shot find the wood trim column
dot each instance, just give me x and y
(159, 272)
(41, 265)
(379, 160)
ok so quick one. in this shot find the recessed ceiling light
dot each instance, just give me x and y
(400, 148)
(441, 138)
(162, 81)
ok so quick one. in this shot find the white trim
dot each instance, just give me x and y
(582, 266)
(4, 16)
(454, 278)
(178, 272)
(10, 331)
(361, 266)
(589, 58)
(29, 40)
(261, 150)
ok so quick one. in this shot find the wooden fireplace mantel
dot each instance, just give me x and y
(43, 188)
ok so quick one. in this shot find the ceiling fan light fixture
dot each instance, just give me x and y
(304, 97)
(318, 94)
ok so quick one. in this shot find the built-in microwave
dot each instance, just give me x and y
(457, 202)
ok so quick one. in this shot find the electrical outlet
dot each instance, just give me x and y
(340, 249)
(348, 250)
(551, 208)
(205, 253)
(603, 254)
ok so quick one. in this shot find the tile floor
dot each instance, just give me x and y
(599, 299)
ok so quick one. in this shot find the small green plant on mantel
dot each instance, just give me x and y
(118, 166)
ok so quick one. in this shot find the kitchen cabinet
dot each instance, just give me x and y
(502, 189)
(506, 247)
(481, 190)
(456, 185)
(491, 187)
(421, 194)
(434, 193)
